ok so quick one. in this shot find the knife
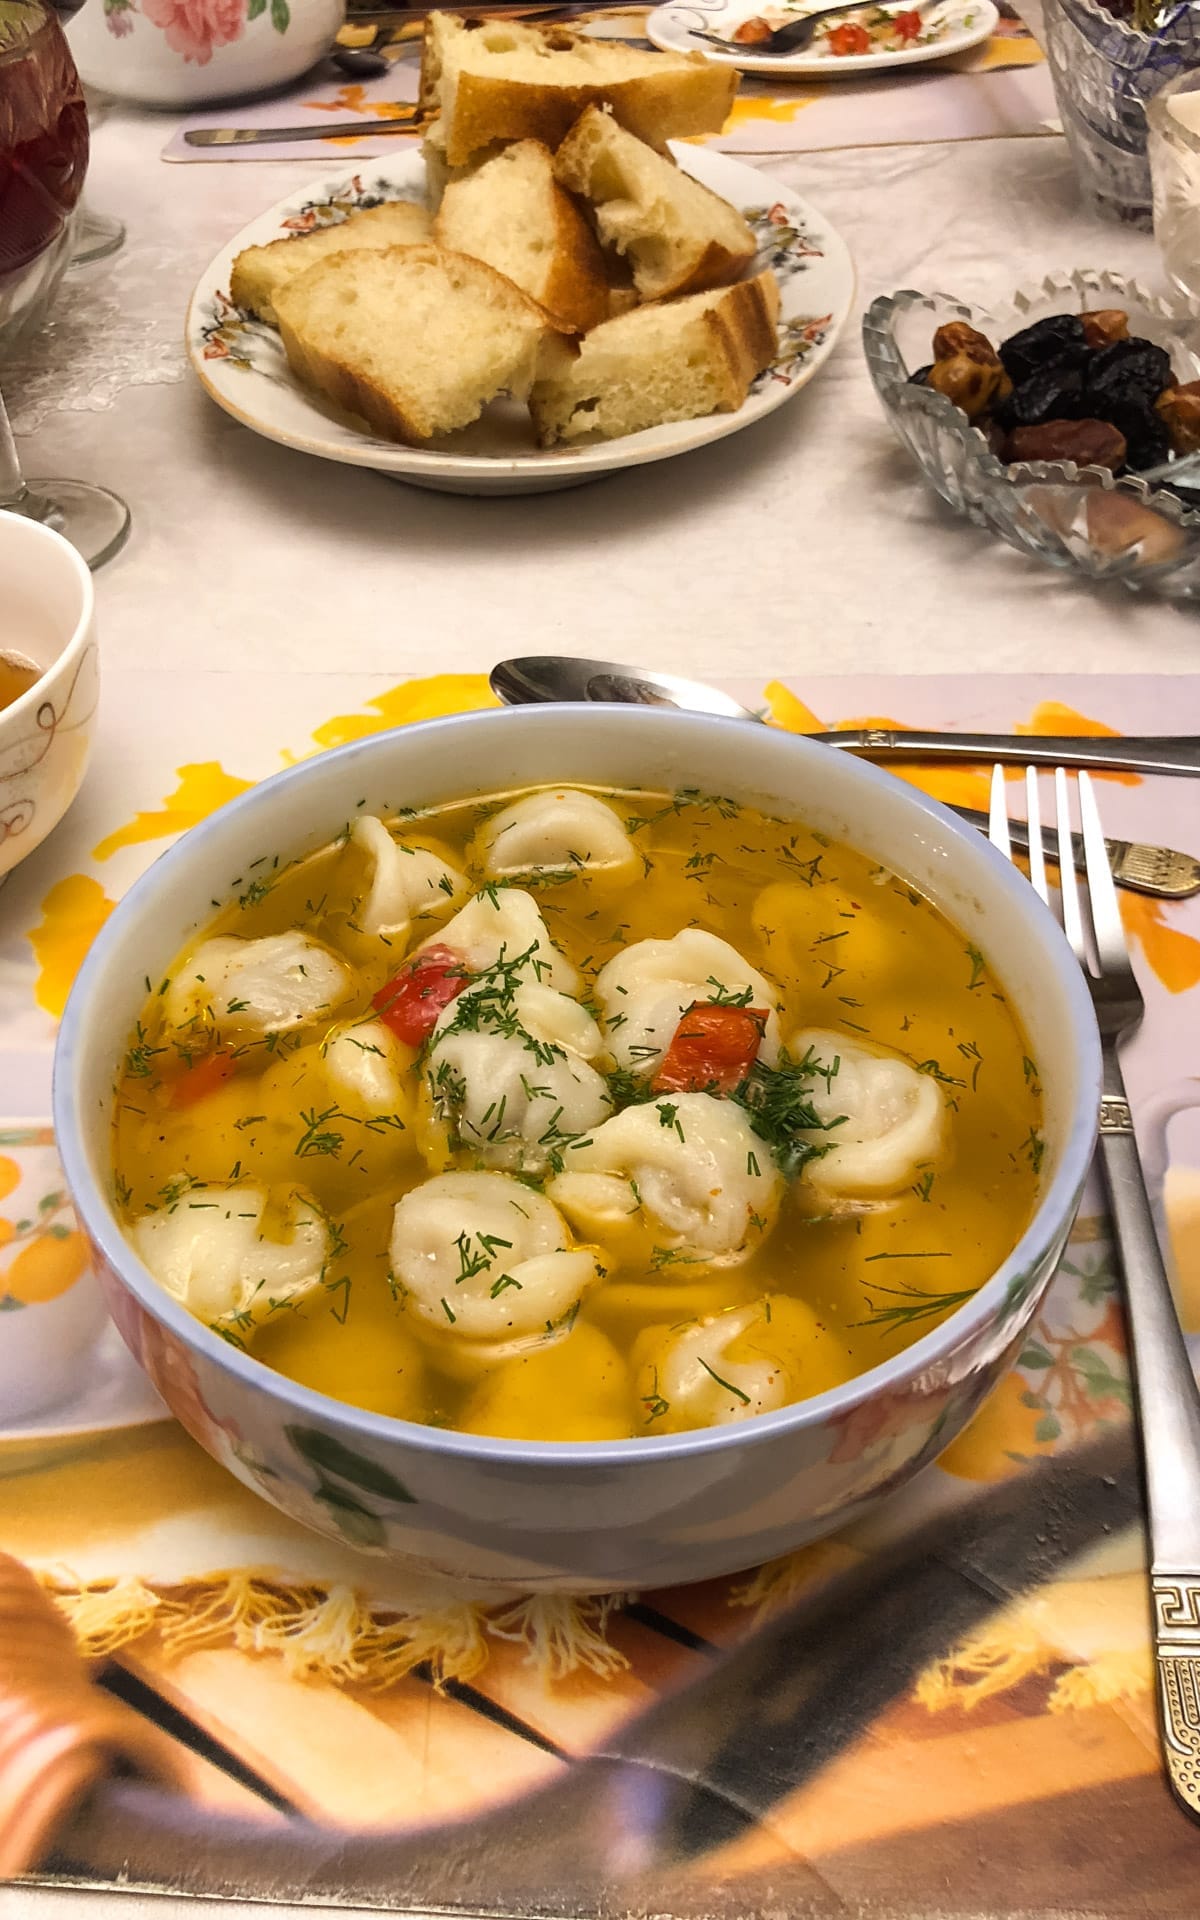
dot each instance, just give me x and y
(409, 121)
(1122, 754)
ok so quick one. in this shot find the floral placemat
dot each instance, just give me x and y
(1012, 1765)
(1001, 88)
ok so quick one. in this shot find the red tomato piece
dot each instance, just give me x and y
(751, 32)
(412, 999)
(202, 1078)
(850, 38)
(712, 1050)
(908, 26)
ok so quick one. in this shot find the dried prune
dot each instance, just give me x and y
(1053, 393)
(1057, 341)
(957, 337)
(970, 385)
(1146, 436)
(1128, 370)
(1179, 410)
(1089, 443)
(1104, 327)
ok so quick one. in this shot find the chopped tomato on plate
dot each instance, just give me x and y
(908, 26)
(850, 38)
(410, 1002)
(713, 1048)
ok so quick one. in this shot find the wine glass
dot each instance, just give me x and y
(98, 234)
(43, 159)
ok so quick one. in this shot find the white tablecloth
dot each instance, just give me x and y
(804, 544)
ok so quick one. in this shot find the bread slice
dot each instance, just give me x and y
(679, 237)
(512, 213)
(259, 272)
(416, 340)
(499, 80)
(678, 361)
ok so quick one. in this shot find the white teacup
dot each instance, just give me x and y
(47, 614)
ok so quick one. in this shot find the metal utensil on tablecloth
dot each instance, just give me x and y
(1162, 871)
(1168, 1400)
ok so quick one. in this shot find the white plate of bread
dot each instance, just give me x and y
(550, 289)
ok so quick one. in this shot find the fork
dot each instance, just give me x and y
(1167, 1399)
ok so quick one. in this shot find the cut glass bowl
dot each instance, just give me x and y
(1076, 518)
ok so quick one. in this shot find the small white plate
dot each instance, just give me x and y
(114, 1394)
(952, 27)
(241, 363)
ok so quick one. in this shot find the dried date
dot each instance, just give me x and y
(1089, 443)
(971, 386)
(1179, 410)
(957, 337)
(1104, 327)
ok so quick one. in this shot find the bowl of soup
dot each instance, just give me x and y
(49, 682)
(577, 1147)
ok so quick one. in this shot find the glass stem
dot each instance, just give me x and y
(14, 494)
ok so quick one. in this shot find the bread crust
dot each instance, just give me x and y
(576, 287)
(657, 107)
(740, 330)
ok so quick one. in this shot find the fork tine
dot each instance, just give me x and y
(1107, 927)
(1072, 918)
(1037, 858)
(998, 832)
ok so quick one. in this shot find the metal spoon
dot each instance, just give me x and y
(535, 678)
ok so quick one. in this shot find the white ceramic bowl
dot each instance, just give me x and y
(47, 612)
(581, 1515)
(181, 53)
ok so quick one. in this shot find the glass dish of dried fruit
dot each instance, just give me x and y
(1034, 417)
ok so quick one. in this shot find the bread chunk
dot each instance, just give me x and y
(259, 272)
(678, 361)
(512, 213)
(500, 80)
(679, 237)
(416, 339)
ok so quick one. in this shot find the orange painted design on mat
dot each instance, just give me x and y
(1174, 956)
(1053, 717)
(961, 786)
(203, 786)
(73, 913)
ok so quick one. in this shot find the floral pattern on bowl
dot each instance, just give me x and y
(243, 366)
(174, 53)
(195, 27)
(1076, 518)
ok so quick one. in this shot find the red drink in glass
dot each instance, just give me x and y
(43, 159)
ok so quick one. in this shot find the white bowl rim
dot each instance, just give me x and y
(31, 699)
(1054, 1211)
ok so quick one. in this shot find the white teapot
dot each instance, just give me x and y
(180, 53)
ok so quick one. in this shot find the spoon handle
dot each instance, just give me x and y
(1161, 754)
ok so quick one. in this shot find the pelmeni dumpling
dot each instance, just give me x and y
(487, 1258)
(555, 832)
(679, 1179)
(246, 989)
(209, 1251)
(730, 1366)
(368, 1068)
(645, 991)
(507, 1079)
(503, 924)
(890, 1116)
(404, 883)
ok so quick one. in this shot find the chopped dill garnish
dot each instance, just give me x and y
(727, 1384)
(978, 968)
(907, 1306)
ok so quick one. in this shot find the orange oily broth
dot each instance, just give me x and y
(850, 947)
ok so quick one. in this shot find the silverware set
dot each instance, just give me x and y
(1167, 1400)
